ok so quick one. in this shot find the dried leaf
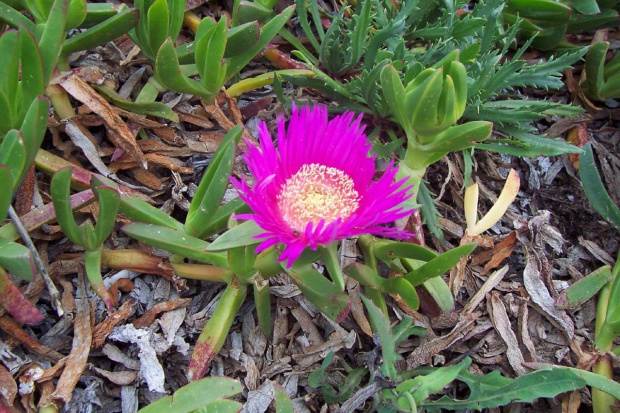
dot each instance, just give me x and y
(501, 322)
(118, 131)
(10, 327)
(121, 378)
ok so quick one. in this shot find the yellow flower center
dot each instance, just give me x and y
(317, 192)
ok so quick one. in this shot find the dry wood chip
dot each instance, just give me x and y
(537, 290)
(252, 377)
(81, 140)
(357, 308)
(10, 327)
(169, 136)
(121, 378)
(488, 285)
(424, 353)
(161, 148)
(564, 124)
(53, 371)
(596, 251)
(67, 300)
(195, 119)
(25, 193)
(501, 322)
(315, 354)
(307, 325)
(82, 339)
(118, 131)
(148, 317)
(8, 387)
(148, 179)
(129, 399)
(254, 340)
(212, 140)
(118, 356)
(103, 329)
(150, 368)
(260, 399)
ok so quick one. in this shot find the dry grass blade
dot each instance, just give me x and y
(501, 322)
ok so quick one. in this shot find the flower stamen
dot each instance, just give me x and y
(315, 193)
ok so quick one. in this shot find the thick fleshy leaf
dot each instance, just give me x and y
(6, 186)
(381, 326)
(209, 54)
(99, 12)
(219, 221)
(394, 93)
(33, 130)
(14, 18)
(144, 108)
(325, 295)
(17, 259)
(242, 37)
(439, 265)
(391, 250)
(594, 188)
(105, 31)
(212, 186)
(169, 72)
(13, 157)
(198, 394)
(262, 301)
(60, 190)
(214, 334)
(10, 52)
(584, 289)
(12, 299)
(109, 200)
(52, 37)
(176, 8)
(440, 293)
(176, 242)
(157, 20)
(267, 33)
(238, 236)
(32, 78)
(92, 264)
(283, 402)
(76, 13)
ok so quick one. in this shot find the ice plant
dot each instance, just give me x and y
(317, 187)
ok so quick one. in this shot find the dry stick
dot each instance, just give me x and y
(54, 294)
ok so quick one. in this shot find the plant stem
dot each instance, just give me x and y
(51, 288)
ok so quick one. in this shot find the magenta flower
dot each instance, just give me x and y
(318, 187)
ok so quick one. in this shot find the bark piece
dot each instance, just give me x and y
(82, 339)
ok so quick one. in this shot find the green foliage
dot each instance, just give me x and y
(584, 289)
(594, 188)
(412, 71)
(209, 394)
(218, 53)
(493, 390)
(159, 20)
(319, 379)
(602, 79)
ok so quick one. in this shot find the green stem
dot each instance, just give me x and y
(202, 272)
(214, 333)
(365, 243)
(92, 262)
(262, 300)
(332, 263)
(150, 90)
(267, 263)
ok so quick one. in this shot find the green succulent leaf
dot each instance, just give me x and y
(52, 36)
(169, 72)
(144, 108)
(439, 265)
(60, 190)
(13, 157)
(195, 395)
(176, 242)
(105, 31)
(594, 188)
(242, 37)
(209, 57)
(33, 130)
(16, 258)
(6, 186)
(109, 200)
(325, 295)
(267, 33)
(213, 185)
(238, 236)
(584, 289)
(15, 19)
